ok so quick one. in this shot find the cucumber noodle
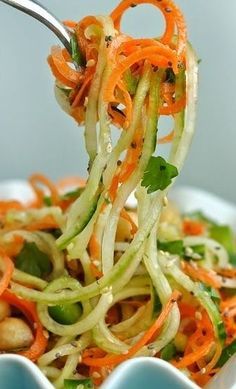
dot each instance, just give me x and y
(121, 280)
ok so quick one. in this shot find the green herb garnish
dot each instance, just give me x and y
(173, 247)
(158, 174)
(177, 247)
(74, 384)
(33, 261)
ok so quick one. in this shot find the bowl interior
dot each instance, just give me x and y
(18, 373)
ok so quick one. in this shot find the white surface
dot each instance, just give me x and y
(37, 136)
(16, 190)
(192, 199)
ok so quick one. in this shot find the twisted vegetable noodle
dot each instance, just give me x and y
(99, 283)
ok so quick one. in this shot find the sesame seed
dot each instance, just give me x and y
(80, 386)
(203, 370)
(109, 148)
(90, 63)
(125, 352)
(74, 343)
(151, 347)
(46, 334)
(105, 290)
(108, 38)
(57, 355)
(198, 315)
(168, 10)
(189, 251)
(96, 374)
(165, 201)
(96, 263)
(86, 101)
(196, 256)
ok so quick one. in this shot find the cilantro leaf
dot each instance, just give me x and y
(158, 174)
(74, 384)
(33, 261)
(173, 247)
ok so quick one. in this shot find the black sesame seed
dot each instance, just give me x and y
(134, 145)
(119, 162)
(133, 5)
(108, 38)
(151, 347)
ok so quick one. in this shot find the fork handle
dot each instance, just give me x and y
(37, 11)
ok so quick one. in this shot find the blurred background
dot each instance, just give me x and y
(37, 136)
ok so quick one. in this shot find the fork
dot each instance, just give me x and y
(37, 11)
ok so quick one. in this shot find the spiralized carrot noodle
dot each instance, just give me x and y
(70, 182)
(7, 272)
(29, 310)
(172, 16)
(96, 287)
(36, 179)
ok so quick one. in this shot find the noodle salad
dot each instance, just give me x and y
(86, 283)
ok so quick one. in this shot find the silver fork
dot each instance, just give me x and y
(37, 11)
